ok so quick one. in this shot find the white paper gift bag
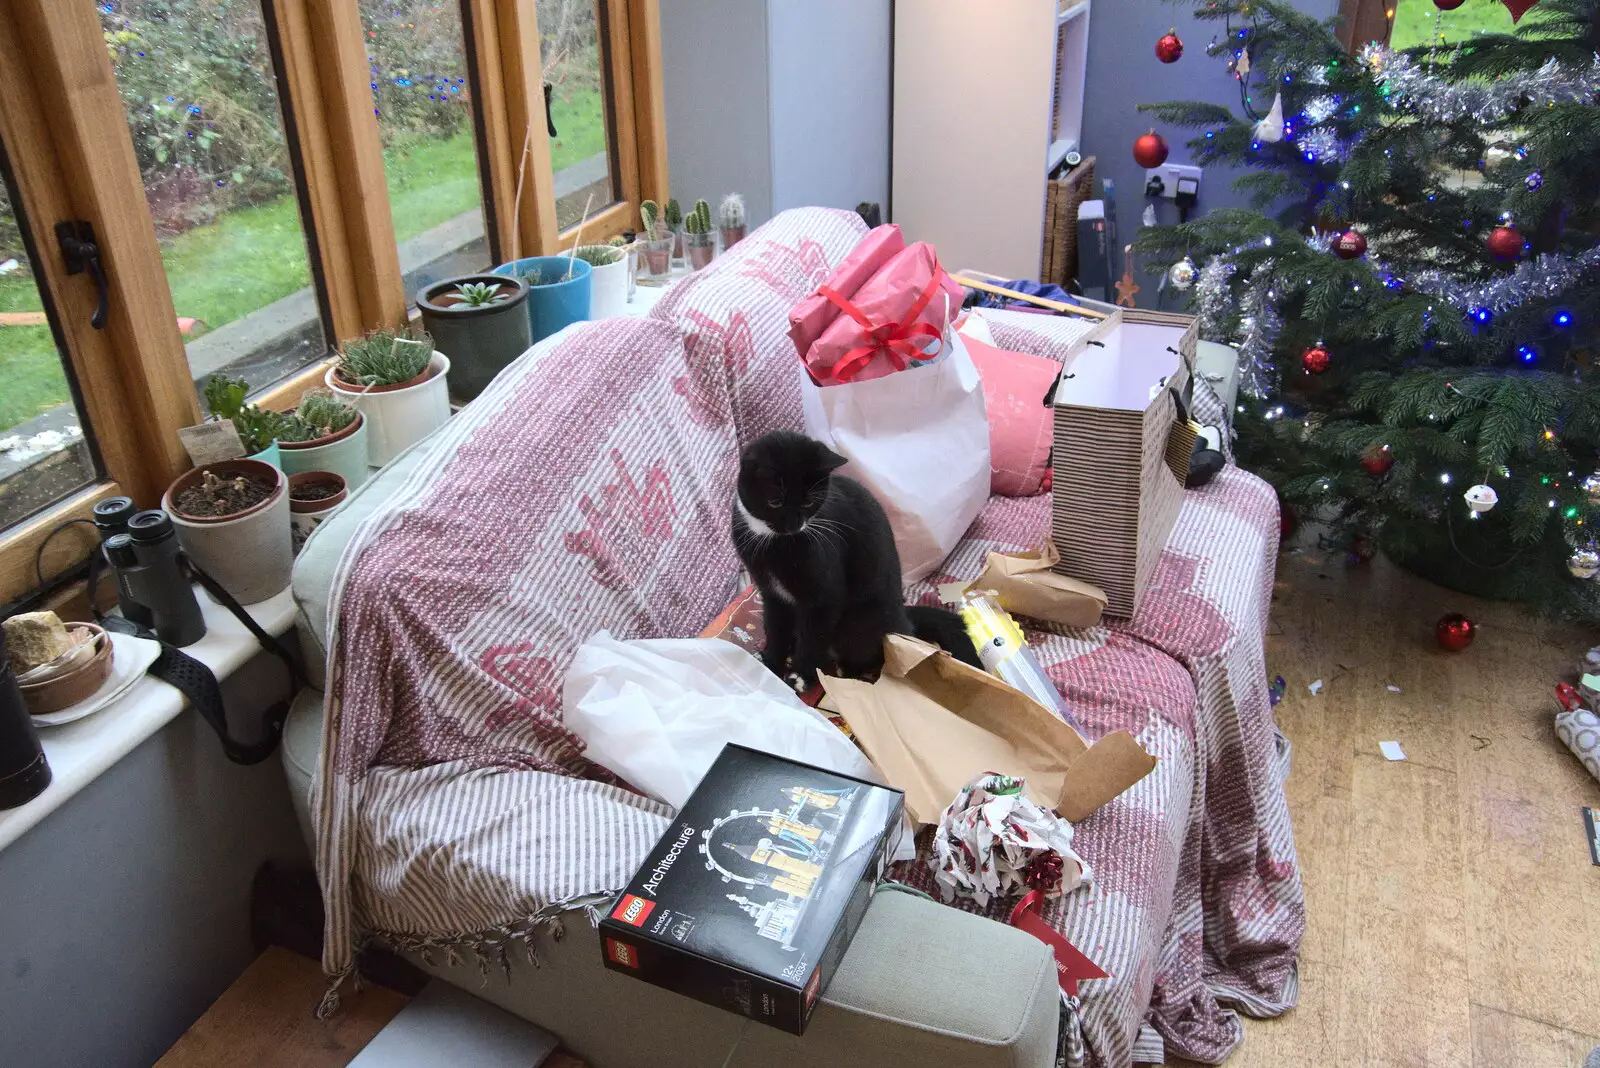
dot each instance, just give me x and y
(918, 439)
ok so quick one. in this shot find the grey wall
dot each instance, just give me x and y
(714, 76)
(785, 101)
(125, 913)
(830, 79)
(1124, 73)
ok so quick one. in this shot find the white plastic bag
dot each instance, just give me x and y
(658, 711)
(919, 440)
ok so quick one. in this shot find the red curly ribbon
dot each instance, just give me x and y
(896, 341)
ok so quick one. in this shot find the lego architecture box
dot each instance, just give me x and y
(751, 896)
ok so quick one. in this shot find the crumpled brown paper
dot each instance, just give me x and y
(1026, 586)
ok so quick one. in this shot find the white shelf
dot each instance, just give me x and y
(79, 752)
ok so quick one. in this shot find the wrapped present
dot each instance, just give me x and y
(811, 316)
(994, 842)
(893, 320)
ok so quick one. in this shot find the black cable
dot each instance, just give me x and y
(38, 554)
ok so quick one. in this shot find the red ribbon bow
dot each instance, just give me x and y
(897, 341)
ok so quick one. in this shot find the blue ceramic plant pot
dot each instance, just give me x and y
(269, 455)
(554, 300)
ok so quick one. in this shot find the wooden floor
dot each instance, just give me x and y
(1454, 914)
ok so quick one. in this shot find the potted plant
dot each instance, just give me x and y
(258, 428)
(312, 496)
(479, 320)
(325, 434)
(609, 287)
(558, 292)
(397, 381)
(657, 238)
(674, 219)
(698, 237)
(730, 218)
(232, 518)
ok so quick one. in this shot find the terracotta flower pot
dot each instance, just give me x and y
(731, 236)
(702, 247)
(343, 452)
(305, 479)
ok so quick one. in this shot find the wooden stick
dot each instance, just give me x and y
(577, 238)
(1053, 305)
(516, 207)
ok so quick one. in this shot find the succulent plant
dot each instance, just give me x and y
(384, 357)
(257, 427)
(650, 216)
(699, 220)
(730, 213)
(597, 255)
(320, 414)
(674, 214)
(479, 294)
(618, 242)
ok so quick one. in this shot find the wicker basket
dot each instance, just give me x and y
(1059, 261)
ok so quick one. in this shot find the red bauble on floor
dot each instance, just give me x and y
(1150, 150)
(1454, 632)
(1170, 47)
(1505, 243)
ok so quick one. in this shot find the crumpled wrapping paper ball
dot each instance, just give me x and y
(994, 842)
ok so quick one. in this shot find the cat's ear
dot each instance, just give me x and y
(828, 460)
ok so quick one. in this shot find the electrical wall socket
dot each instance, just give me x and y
(1169, 173)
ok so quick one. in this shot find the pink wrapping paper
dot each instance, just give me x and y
(885, 300)
(809, 318)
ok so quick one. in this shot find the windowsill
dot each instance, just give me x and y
(79, 752)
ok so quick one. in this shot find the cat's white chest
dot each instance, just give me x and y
(780, 592)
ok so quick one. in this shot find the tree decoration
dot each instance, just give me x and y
(1315, 360)
(1150, 150)
(1170, 48)
(1350, 245)
(1481, 498)
(1534, 181)
(1183, 273)
(1454, 632)
(1583, 563)
(1518, 8)
(1377, 461)
(1448, 5)
(1505, 243)
(1591, 489)
(1361, 551)
(1270, 129)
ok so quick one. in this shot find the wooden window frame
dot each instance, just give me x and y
(1364, 21)
(72, 157)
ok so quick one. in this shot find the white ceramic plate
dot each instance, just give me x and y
(131, 658)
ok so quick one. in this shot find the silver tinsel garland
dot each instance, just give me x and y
(1258, 315)
(1214, 299)
(1541, 278)
(1443, 100)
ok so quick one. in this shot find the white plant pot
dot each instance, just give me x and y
(399, 418)
(608, 292)
(252, 557)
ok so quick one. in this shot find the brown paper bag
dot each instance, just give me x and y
(1026, 586)
(932, 724)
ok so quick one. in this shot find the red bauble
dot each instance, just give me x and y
(1377, 461)
(1454, 632)
(1518, 8)
(1350, 244)
(1448, 5)
(1287, 521)
(1505, 243)
(1150, 150)
(1170, 47)
(1315, 360)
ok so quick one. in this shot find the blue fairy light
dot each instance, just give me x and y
(1534, 181)
(1483, 315)
(1562, 318)
(1527, 353)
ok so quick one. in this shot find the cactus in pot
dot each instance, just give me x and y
(702, 245)
(674, 218)
(658, 239)
(731, 220)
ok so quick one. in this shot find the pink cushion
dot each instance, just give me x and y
(1021, 427)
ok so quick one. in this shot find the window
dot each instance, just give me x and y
(44, 453)
(263, 177)
(1417, 22)
(422, 96)
(575, 53)
(198, 86)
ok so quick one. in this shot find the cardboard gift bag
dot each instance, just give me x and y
(1122, 447)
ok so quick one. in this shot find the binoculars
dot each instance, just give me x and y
(152, 587)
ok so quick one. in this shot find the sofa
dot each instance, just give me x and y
(588, 488)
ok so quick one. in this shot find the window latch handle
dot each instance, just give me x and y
(81, 253)
(549, 119)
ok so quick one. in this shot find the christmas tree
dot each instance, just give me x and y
(1416, 297)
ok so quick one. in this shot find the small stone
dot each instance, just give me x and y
(34, 638)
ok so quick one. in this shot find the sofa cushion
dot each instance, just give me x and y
(734, 316)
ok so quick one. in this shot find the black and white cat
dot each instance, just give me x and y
(820, 549)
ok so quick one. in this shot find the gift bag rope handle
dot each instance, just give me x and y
(894, 340)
